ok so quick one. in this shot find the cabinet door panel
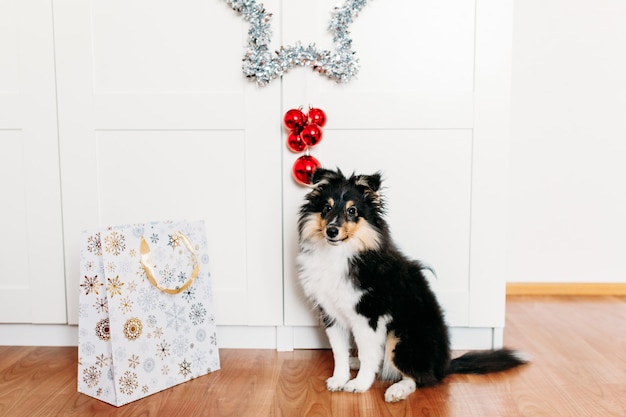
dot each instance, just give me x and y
(188, 46)
(157, 122)
(428, 107)
(31, 251)
(402, 46)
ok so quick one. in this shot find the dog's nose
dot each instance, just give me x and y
(332, 231)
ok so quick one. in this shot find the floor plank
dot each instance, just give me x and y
(579, 369)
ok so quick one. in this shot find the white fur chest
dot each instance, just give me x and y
(323, 273)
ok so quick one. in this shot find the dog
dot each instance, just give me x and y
(364, 286)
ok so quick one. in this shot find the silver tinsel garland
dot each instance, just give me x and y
(263, 65)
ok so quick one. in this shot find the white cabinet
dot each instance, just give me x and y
(31, 248)
(429, 108)
(155, 121)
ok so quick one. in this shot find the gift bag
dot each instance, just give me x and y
(145, 310)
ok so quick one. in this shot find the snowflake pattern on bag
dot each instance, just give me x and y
(135, 340)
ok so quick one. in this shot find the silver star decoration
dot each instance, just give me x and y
(262, 65)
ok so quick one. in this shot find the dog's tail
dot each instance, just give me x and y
(485, 362)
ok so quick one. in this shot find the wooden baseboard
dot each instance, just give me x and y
(565, 288)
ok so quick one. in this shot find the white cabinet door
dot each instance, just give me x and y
(31, 248)
(157, 122)
(428, 108)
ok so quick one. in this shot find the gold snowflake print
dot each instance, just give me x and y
(114, 286)
(132, 286)
(91, 376)
(91, 284)
(128, 382)
(158, 332)
(114, 243)
(102, 361)
(126, 305)
(174, 241)
(133, 328)
(103, 330)
(140, 271)
(133, 361)
(185, 368)
(94, 245)
(102, 305)
(163, 350)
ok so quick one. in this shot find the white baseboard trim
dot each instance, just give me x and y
(281, 338)
(38, 335)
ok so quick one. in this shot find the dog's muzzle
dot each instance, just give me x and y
(332, 232)
(332, 235)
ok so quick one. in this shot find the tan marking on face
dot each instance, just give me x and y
(362, 235)
(313, 228)
(351, 210)
(352, 228)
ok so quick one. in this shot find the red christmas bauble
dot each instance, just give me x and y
(317, 116)
(311, 134)
(295, 142)
(294, 119)
(304, 168)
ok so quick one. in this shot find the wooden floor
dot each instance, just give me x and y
(578, 346)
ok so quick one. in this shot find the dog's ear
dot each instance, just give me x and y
(370, 187)
(324, 176)
(369, 182)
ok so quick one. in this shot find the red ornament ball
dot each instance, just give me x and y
(311, 134)
(304, 168)
(294, 119)
(295, 142)
(317, 116)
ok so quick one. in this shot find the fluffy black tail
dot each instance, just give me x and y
(485, 362)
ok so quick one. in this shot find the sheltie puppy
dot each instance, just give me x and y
(365, 287)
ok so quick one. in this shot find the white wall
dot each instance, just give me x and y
(567, 184)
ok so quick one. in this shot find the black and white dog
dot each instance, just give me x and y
(364, 286)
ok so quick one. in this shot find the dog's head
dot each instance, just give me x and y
(340, 210)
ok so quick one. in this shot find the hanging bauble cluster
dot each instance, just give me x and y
(305, 131)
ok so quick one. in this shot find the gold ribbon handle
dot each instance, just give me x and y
(148, 265)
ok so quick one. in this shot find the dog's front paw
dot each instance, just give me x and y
(358, 385)
(336, 383)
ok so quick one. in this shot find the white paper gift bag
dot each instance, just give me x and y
(145, 310)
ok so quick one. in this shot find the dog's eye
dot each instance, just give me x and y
(352, 211)
(327, 208)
